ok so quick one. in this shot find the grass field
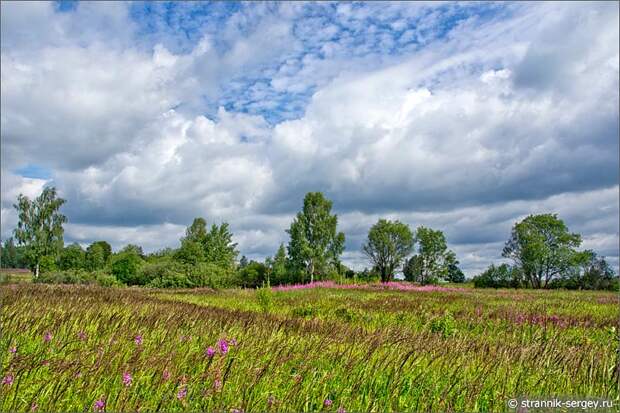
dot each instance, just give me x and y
(67, 348)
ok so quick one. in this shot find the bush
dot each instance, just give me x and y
(125, 268)
(164, 274)
(502, 276)
(265, 299)
(78, 277)
(446, 325)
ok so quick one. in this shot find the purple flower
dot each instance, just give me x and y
(100, 405)
(138, 340)
(182, 393)
(341, 410)
(127, 379)
(8, 379)
(34, 406)
(47, 337)
(165, 375)
(270, 401)
(223, 346)
(327, 402)
(210, 352)
(81, 335)
(217, 384)
(13, 350)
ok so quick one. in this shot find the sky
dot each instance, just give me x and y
(464, 117)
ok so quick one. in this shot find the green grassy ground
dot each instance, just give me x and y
(360, 349)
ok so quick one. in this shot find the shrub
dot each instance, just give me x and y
(265, 299)
(502, 276)
(125, 268)
(446, 325)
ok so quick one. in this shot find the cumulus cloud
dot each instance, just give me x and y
(462, 117)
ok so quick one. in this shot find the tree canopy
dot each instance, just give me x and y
(388, 243)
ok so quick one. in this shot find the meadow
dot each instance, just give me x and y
(332, 348)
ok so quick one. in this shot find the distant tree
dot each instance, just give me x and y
(243, 261)
(39, 228)
(219, 248)
(454, 273)
(279, 265)
(542, 247)
(190, 252)
(197, 231)
(501, 276)
(389, 242)
(72, 257)
(253, 275)
(314, 242)
(125, 267)
(133, 248)
(432, 258)
(97, 255)
(9, 255)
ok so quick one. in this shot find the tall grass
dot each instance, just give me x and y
(71, 348)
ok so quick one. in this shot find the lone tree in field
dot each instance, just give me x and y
(39, 228)
(389, 242)
(433, 258)
(314, 241)
(542, 247)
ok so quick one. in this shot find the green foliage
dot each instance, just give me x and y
(454, 273)
(72, 257)
(39, 228)
(445, 324)
(190, 252)
(253, 275)
(542, 247)
(97, 255)
(314, 243)
(433, 258)
(47, 263)
(264, 296)
(389, 242)
(12, 256)
(589, 272)
(219, 248)
(125, 266)
(78, 276)
(501, 276)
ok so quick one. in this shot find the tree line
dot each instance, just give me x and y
(543, 252)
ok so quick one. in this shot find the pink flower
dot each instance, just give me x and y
(217, 384)
(127, 379)
(45, 363)
(99, 405)
(81, 335)
(8, 379)
(182, 393)
(210, 352)
(223, 346)
(138, 340)
(47, 337)
(232, 342)
(34, 406)
(341, 410)
(165, 375)
(327, 402)
(13, 350)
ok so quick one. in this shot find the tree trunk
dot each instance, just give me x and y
(36, 271)
(311, 272)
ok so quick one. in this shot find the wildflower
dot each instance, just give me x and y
(236, 411)
(99, 405)
(165, 375)
(45, 363)
(182, 393)
(13, 350)
(327, 402)
(81, 335)
(210, 352)
(8, 379)
(223, 346)
(47, 337)
(34, 406)
(341, 410)
(138, 340)
(127, 379)
(217, 384)
(233, 342)
(270, 401)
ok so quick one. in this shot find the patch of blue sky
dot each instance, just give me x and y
(65, 5)
(34, 171)
(374, 32)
